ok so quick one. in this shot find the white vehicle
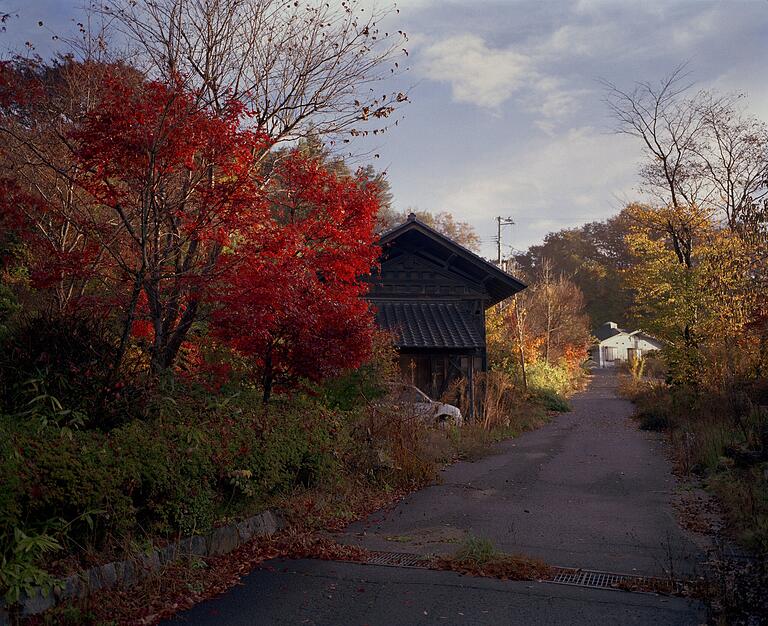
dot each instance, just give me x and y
(416, 400)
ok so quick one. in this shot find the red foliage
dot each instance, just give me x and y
(181, 183)
(294, 301)
(168, 218)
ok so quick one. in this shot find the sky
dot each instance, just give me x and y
(507, 114)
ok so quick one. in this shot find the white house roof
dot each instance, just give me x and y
(611, 329)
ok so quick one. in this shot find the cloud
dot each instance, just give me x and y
(488, 77)
(478, 74)
(553, 101)
(586, 40)
(578, 176)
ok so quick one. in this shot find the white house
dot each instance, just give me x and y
(616, 345)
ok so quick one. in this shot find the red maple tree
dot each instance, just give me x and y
(170, 223)
(294, 302)
(180, 184)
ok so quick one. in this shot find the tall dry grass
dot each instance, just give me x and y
(500, 406)
(718, 432)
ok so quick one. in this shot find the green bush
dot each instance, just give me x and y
(654, 418)
(177, 462)
(544, 376)
(97, 490)
(552, 401)
(367, 382)
(56, 368)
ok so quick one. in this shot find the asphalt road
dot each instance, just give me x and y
(588, 490)
(323, 593)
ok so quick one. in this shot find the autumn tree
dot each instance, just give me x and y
(40, 105)
(545, 323)
(294, 305)
(179, 182)
(691, 308)
(134, 201)
(507, 338)
(172, 219)
(593, 257)
(706, 165)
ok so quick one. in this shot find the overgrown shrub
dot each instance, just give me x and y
(367, 382)
(56, 368)
(544, 376)
(162, 477)
(552, 401)
(720, 435)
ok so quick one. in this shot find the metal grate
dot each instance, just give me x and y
(560, 575)
(602, 580)
(398, 559)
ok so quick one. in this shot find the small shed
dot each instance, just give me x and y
(432, 293)
(617, 345)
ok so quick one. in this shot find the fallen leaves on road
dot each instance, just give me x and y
(182, 584)
(502, 566)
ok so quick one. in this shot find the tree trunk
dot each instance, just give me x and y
(521, 341)
(129, 319)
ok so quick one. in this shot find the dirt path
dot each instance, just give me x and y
(588, 490)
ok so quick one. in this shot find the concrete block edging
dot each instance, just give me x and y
(128, 573)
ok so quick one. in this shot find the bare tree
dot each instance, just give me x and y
(671, 130)
(734, 157)
(704, 156)
(295, 66)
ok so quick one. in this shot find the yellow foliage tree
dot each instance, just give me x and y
(691, 281)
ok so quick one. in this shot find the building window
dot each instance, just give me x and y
(610, 353)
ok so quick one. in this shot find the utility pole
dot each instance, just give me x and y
(501, 221)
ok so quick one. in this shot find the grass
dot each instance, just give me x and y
(477, 556)
(743, 493)
(722, 439)
(477, 550)
(553, 401)
(704, 447)
(653, 419)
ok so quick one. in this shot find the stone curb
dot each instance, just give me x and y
(221, 540)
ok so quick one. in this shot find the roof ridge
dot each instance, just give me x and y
(416, 221)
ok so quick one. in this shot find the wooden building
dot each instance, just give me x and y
(432, 293)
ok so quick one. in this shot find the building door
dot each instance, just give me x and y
(610, 354)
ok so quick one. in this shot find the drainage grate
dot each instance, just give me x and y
(397, 559)
(560, 575)
(603, 580)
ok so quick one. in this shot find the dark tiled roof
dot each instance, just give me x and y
(430, 324)
(498, 283)
(605, 331)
